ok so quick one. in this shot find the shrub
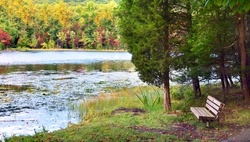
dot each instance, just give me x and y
(2, 47)
(5, 39)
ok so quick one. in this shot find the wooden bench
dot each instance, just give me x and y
(210, 112)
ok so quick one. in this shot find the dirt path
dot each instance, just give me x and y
(243, 136)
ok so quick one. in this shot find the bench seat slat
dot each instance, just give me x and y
(202, 113)
(196, 113)
(206, 112)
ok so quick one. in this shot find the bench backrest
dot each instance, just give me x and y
(214, 106)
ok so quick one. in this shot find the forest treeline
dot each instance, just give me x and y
(58, 24)
(189, 41)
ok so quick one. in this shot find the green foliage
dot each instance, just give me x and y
(2, 46)
(24, 39)
(210, 44)
(8, 26)
(149, 98)
(51, 44)
(183, 94)
(133, 28)
(241, 6)
(146, 27)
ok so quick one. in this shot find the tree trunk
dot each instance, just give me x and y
(230, 80)
(227, 83)
(196, 87)
(248, 49)
(223, 86)
(223, 73)
(195, 79)
(243, 55)
(241, 83)
(167, 102)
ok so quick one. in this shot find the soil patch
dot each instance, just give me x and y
(188, 132)
(181, 130)
(135, 111)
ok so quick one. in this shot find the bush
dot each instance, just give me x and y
(180, 92)
(2, 47)
(184, 96)
(5, 39)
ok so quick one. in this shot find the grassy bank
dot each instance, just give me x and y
(137, 115)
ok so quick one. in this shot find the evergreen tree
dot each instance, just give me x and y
(239, 9)
(152, 30)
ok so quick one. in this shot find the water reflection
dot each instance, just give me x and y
(105, 66)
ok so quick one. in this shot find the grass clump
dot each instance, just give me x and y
(151, 98)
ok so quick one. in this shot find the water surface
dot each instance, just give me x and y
(38, 89)
(60, 57)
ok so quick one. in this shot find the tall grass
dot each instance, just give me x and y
(148, 98)
(104, 104)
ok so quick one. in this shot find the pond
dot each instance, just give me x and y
(38, 89)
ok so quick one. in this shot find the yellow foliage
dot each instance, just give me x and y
(62, 13)
(39, 16)
(105, 12)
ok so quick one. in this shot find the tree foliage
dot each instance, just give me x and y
(153, 31)
(141, 30)
(241, 6)
(200, 43)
